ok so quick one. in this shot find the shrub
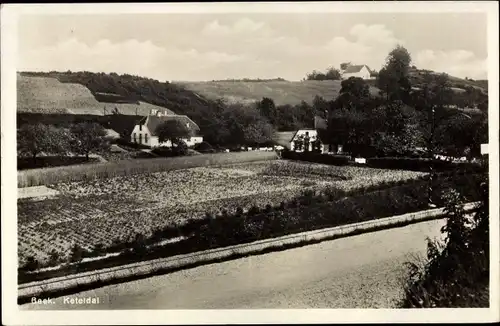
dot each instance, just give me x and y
(139, 244)
(456, 272)
(77, 254)
(54, 258)
(254, 210)
(204, 147)
(181, 149)
(31, 264)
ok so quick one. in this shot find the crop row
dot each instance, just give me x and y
(85, 172)
(101, 212)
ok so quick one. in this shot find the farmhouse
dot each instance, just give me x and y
(296, 140)
(145, 129)
(361, 71)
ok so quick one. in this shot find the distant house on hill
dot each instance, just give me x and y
(145, 129)
(361, 71)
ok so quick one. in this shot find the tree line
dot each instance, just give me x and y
(330, 74)
(82, 139)
(390, 123)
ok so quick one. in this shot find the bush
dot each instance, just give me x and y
(316, 158)
(204, 147)
(31, 264)
(456, 272)
(181, 149)
(77, 254)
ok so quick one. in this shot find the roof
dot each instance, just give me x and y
(112, 133)
(284, 138)
(153, 121)
(355, 68)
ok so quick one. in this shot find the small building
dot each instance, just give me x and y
(144, 131)
(361, 71)
(296, 140)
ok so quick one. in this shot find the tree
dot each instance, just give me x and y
(352, 128)
(393, 79)
(432, 100)
(246, 126)
(34, 139)
(462, 135)
(289, 118)
(395, 129)
(267, 109)
(88, 137)
(321, 106)
(353, 94)
(173, 131)
(344, 65)
(332, 74)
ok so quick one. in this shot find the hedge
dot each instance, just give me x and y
(316, 158)
(419, 164)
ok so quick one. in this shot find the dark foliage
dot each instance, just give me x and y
(316, 158)
(456, 272)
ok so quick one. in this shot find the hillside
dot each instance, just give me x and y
(49, 95)
(282, 92)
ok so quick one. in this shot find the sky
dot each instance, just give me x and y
(200, 47)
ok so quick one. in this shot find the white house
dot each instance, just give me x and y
(145, 129)
(361, 71)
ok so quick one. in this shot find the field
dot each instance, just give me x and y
(49, 95)
(109, 211)
(282, 92)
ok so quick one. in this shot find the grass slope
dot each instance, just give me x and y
(49, 95)
(282, 92)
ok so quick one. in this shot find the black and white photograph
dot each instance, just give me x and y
(175, 161)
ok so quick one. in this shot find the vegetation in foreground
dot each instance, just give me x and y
(85, 233)
(456, 271)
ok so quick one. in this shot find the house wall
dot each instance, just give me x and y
(313, 134)
(140, 135)
(152, 141)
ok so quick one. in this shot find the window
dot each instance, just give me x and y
(146, 138)
(140, 138)
(135, 139)
(140, 127)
